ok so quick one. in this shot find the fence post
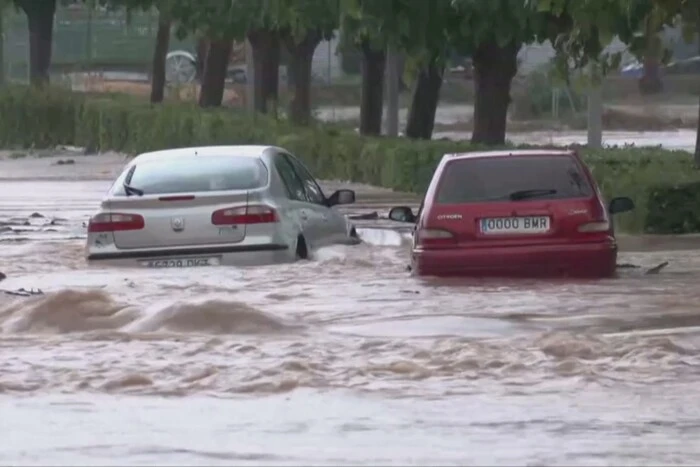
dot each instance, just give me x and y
(595, 110)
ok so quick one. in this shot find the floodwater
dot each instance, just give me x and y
(342, 360)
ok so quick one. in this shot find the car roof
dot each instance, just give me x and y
(510, 153)
(253, 151)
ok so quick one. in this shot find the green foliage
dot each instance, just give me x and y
(42, 119)
(234, 19)
(673, 209)
(594, 23)
(300, 16)
(499, 21)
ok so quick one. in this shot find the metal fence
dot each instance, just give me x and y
(112, 51)
(86, 39)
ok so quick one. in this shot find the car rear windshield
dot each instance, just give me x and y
(499, 178)
(195, 174)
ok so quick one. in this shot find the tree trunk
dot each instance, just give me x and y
(202, 49)
(212, 91)
(301, 56)
(697, 132)
(421, 116)
(494, 69)
(40, 16)
(159, 53)
(650, 82)
(697, 140)
(372, 102)
(2, 44)
(266, 62)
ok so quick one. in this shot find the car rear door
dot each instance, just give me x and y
(331, 224)
(299, 201)
(475, 200)
(179, 200)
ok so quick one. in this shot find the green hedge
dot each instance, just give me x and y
(673, 209)
(44, 119)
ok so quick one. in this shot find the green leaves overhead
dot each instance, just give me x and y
(498, 21)
(233, 19)
(637, 23)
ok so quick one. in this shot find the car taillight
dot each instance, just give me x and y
(434, 237)
(593, 227)
(256, 214)
(115, 222)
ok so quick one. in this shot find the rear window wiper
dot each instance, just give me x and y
(130, 190)
(527, 194)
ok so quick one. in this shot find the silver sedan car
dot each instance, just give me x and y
(215, 205)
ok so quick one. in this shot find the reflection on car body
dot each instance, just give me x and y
(524, 212)
(215, 205)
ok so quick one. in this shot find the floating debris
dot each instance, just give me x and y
(369, 216)
(23, 292)
(656, 269)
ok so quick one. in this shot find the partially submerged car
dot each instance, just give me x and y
(519, 212)
(204, 206)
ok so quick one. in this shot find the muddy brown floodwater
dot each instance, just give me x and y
(342, 360)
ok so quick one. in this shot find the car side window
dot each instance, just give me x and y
(313, 191)
(292, 182)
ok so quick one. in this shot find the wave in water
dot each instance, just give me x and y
(73, 311)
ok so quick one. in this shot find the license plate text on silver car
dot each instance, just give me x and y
(181, 262)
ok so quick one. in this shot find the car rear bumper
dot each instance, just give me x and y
(570, 260)
(232, 255)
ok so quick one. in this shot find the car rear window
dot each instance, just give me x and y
(196, 174)
(497, 178)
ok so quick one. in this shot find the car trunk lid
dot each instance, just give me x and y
(177, 220)
(177, 198)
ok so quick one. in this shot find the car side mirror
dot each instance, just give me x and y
(620, 204)
(341, 197)
(402, 214)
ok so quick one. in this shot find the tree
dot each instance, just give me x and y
(371, 25)
(160, 50)
(220, 23)
(595, 22)
(162, 43)
(427, 43)
(493, 33)
(3, 6)
(40, 18)
(160, 53)
(305, 24)
(224, 22)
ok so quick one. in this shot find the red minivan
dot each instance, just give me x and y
(519, 212)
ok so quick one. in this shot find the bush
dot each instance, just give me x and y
(42, 119)
(673, 209)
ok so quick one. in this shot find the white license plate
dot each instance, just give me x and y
(515, 225)
(182, 262)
